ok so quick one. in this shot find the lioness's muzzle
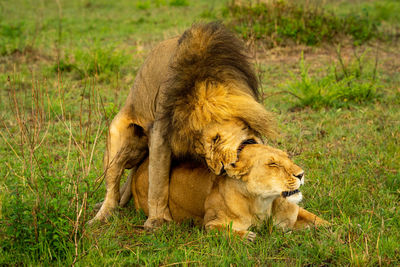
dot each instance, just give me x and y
(290, 193)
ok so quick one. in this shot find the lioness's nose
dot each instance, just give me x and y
(300, 175)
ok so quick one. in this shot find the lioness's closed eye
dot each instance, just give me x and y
(263, 182)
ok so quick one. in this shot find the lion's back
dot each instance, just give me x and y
(151, 78)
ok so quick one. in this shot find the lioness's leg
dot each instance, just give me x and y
(126, 147)
(216, 218)
(159, 167)
(289, 215)
(306, 219)
(284, 213)
(245, 234)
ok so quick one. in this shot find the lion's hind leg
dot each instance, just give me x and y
(126, 148)
(125, 191)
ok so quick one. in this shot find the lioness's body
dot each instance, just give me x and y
(190, 184)
(249, 199)
(195, 97)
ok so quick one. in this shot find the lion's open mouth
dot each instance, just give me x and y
(245, 143)
(290, 193)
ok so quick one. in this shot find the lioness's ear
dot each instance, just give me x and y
(255, 115)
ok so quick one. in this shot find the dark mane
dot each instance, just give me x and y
(205, 52)
(210, 52)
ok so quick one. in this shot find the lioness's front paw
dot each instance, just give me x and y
(154, 223)
(251, 236)
(248, 235)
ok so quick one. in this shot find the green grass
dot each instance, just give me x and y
(280, 23)
(354, 83)
(65, 70)
(100, 62)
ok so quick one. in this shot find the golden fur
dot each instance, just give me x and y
(195, 97)
(252, 194)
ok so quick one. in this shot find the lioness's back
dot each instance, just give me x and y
(189, 186)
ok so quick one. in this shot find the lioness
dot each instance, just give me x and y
(196, 96)
(264, 182)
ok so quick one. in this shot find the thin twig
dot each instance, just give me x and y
(376, 64)
(69, 152)
(98, 134)
(79, 213)
(73, 138)
(339, 55)
(281, 92)
(11, 147)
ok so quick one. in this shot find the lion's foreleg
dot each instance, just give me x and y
(159, 169)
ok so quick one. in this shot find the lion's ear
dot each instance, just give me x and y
(255, 115)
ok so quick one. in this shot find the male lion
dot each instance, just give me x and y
(263, 183)
(194, 97)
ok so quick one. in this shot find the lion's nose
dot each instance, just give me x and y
(299, 176)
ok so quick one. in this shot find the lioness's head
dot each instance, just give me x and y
(268, 172)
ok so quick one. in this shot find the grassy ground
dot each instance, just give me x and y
(66, 68)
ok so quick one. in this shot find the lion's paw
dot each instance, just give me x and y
(98, 205)
(153, 223)
(105, 211)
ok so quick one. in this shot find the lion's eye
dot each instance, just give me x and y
(273, 165)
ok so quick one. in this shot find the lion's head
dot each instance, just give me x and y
(268, 172)
(222, 140)
(217, 120)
